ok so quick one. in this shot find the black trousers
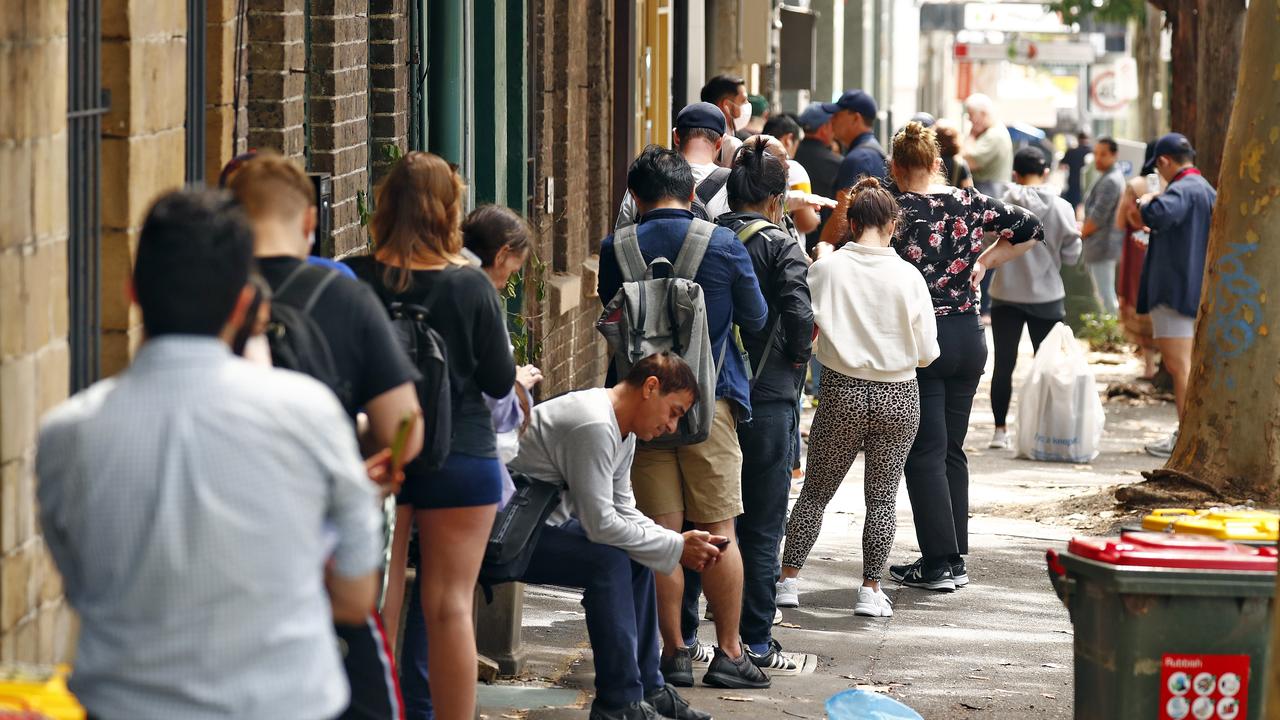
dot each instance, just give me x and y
(1006, 332)
(937, 470)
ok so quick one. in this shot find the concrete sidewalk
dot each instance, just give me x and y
(1000, 648)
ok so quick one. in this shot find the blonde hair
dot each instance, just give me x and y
(915, 149)
(271, 185)
(418, 214)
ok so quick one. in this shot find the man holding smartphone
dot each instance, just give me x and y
(598, 541)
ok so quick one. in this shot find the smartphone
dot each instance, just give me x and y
(401, 439)
(722, 545)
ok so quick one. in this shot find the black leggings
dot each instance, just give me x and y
(1006, 331)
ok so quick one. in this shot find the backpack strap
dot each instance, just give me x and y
(696, 241)
(626, 248)
(712, 184)
(751, 229)
(302, 288)
(744, 234)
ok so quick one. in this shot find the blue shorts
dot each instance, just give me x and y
(463, 481)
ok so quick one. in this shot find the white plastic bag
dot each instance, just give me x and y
(1060, 416)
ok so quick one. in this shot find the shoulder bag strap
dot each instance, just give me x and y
(696, 241)
(712, 183)
(626, 248)
(302, 288)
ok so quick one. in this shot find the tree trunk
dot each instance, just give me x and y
(1219, 32)
(1230, 437)
(1146, 53)
(1181, 16)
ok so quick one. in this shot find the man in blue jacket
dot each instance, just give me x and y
(1174, 268)
(699, 483)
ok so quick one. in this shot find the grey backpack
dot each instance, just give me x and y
(656, 312)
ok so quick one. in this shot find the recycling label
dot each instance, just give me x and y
(1204, 687)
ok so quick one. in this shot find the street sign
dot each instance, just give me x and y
(1029, 52)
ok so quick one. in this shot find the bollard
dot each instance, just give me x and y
(498, 627)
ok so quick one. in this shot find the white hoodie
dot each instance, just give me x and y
(1036, 277)
(874, 314)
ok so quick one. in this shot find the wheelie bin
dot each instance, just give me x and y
(1167, 626)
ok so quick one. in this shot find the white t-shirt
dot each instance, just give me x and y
(718, 206)
(798, 179)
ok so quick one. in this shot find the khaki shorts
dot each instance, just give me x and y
(703, 481)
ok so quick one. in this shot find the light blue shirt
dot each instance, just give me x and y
(186, 502)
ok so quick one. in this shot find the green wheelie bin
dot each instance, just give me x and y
(1167, 627)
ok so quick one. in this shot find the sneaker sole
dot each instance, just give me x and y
(789, 603)
(870, 612)
(679, 679)
(960, 580)
(938, 585)
(733, 682)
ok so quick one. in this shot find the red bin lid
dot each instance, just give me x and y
(1164, 550)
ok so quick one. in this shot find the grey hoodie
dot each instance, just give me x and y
(1034, 277)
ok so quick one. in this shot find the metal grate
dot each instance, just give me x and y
(195, 91)
(87, 102)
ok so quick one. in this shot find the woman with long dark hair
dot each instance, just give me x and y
(416, 228)
(941, 233)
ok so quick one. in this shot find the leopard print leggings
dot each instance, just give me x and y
(878, 418)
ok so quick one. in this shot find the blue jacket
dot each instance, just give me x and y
(864, 159)
(728, 282)
(1174, 268)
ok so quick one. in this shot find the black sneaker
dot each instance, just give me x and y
(773, 660)
(740, 674)
(959, 573)
(898, 572)
(678, 669)
(668, 704)
(919, 576)
(630, 711)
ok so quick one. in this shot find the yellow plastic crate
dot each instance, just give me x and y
(1162, 520)
(1234, 525)
(25, 689)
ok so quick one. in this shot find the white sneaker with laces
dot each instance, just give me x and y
(788, 593)
(873, 603)
(1164, 448)
(999, 440)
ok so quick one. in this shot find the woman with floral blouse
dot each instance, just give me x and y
(941, 233)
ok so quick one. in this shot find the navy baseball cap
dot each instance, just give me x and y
(814, 116)
(924, 119)
(855, 100)
(701, 115)
(1171, 144)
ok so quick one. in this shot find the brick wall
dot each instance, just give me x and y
(143, 140)
(35, 624)
(227, 123)
(570, 107)
(339, 64)
(388, 80)
(277, 76)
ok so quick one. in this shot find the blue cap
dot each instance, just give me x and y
(701, 115)
(814, 116)
(855, 100)
(1171, 144)
(924, 119)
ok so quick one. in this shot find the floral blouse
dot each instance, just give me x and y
(941, 234)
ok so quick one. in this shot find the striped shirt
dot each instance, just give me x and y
(191, 503)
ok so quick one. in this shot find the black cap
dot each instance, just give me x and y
(1171, 144)
(1030, 161)
(855, 100)
(701, 115)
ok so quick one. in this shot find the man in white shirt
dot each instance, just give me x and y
(598, 541)
(193, 501)
(698, 136)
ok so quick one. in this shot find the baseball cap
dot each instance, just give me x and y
(759, 105)
(701, 115)
(856, 100)
(924, 119)
(1171, 144)
(814, 116)
(1030, 161)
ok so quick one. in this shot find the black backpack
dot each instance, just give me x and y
(706, 190)
(516, 530)
(427, 351)
(296, 340)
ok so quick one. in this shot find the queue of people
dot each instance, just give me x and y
(392, 375)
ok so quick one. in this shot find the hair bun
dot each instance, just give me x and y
(867, 183)
(914, 129)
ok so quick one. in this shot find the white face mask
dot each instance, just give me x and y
(744, 116)
(311, 240)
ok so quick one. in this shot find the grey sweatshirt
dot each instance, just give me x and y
(1035, 277)
(574, 441)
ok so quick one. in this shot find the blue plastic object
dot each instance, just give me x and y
(861, 705)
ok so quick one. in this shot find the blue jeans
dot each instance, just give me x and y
(768, 442)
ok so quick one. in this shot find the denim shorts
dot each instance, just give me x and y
(1169, 323)
(463, 481)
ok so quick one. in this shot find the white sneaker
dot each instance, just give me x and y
(1164, 448)
(788, 593)
(999, 440)
(873, 603)
(701, 654)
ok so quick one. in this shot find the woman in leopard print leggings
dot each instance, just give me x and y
(876, 327)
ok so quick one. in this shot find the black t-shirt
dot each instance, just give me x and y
(358, 331)
(470, 319)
